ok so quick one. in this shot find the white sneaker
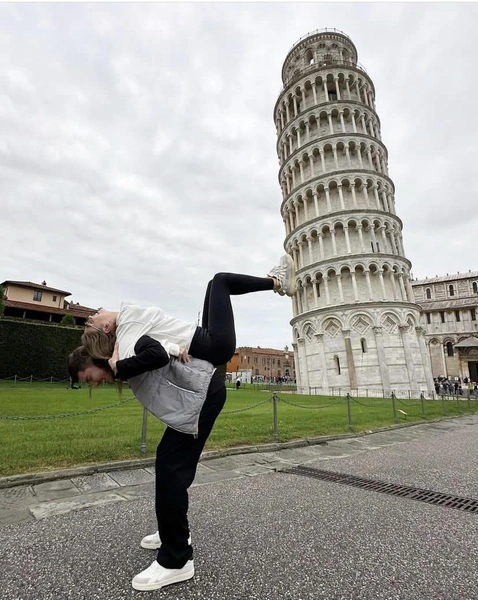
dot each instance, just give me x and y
(156, 576)
(285, 274)
(153, 541)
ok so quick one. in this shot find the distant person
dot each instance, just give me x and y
(238, 383)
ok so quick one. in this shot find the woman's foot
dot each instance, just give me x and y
(284, 276)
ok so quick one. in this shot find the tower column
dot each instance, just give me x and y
(382, 361)
(314, 290)
(404, 332)
(316, 204)
(320, 235)
(347, 239)
(339, 285)
(322, 361)
(341, 196)
(354, 286)
(309, 244)
(311, 163)
(326, 287)
(350, 359)
(327, 197)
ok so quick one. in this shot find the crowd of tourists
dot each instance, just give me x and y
(444, 386)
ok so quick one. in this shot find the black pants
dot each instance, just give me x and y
(178, 453)
(215, 341)
(177, 458)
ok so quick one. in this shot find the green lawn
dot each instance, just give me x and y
(114, 432)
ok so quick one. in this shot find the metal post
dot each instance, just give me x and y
(31, 378)
(443, 403)
(143, 431)
(15, 381)
(349, 412)
(422, 400)
(274, 410)
(394, 407)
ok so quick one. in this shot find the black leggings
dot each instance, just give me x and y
(215, 340)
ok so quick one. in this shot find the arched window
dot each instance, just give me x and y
(337, 364)
(449, 349)
(475, 287)
(363, 343)
(428, 293)
(451, 290)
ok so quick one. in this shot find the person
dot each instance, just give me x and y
(214, 341)
(178, 452)
(238, 383)
(138, 345)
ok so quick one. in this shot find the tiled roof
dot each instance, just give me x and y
(469, 275)
(74, 309)
(258, 350)
(447, 304)
(35, 286)
(470, 342)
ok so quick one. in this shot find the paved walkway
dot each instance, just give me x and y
(42, 495)
(258, 532)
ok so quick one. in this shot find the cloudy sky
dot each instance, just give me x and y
(137, 143)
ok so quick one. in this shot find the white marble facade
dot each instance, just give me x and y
(356, 325)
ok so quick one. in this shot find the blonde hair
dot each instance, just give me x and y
(98, 344)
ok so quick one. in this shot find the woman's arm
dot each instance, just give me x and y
(149, 355)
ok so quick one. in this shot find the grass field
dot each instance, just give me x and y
(113, 431)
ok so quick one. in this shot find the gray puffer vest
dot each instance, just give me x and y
(175, 393)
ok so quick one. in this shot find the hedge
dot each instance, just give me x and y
(36, 349)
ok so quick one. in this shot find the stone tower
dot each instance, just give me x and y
(356, 325)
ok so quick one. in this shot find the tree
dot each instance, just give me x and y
(68, 319)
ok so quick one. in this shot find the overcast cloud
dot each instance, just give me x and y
(137, 144)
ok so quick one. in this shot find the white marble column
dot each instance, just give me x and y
(323, 362)
(382, 361)
(304, 369)
(404, 332)
(426, 361)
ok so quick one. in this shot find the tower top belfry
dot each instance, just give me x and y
(324, 47)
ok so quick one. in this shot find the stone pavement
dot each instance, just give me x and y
(258, 533)
(40, 495)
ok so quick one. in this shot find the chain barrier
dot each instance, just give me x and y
(404, 403)
(238, 410)
(366, 405)
(64, 415)
(311, 407)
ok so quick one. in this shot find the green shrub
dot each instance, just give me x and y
(68, 320)
(36, 349)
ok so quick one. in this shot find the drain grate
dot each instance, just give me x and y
(404, 491)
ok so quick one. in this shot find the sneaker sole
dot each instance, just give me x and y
(147, 587)
(291, 284)
(150, 546)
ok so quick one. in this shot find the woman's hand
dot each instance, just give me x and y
(115, 357)
(183, 355)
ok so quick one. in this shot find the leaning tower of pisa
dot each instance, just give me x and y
(356, 325)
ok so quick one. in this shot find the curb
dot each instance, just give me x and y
(45, 476)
